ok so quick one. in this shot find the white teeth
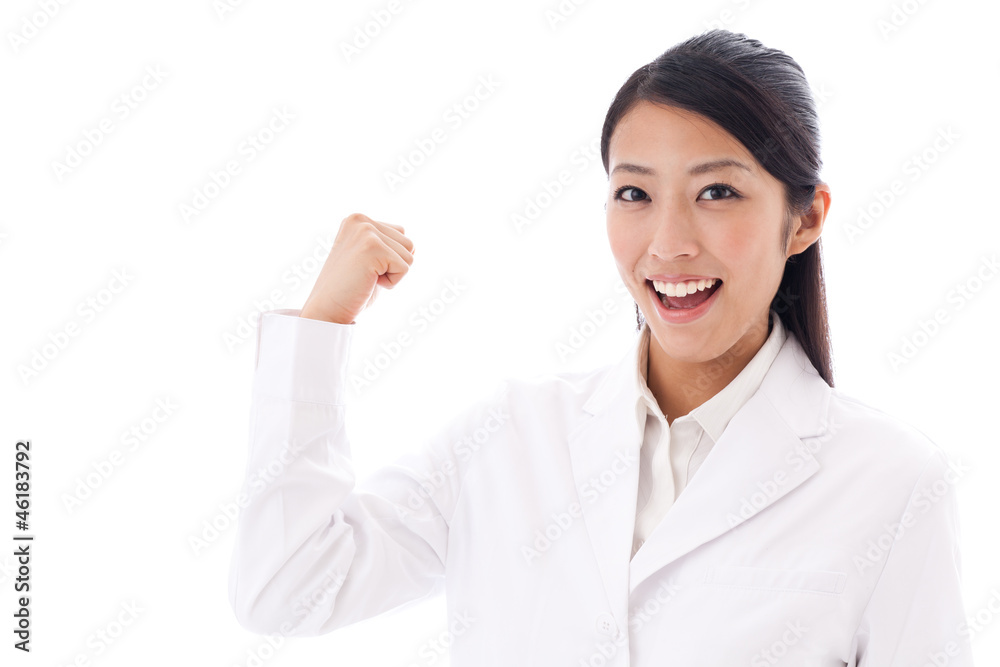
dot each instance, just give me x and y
(683, 289)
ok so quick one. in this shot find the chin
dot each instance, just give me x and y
(685, 345)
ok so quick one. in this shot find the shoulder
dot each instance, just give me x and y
(568, 389)
(881, 440)
(543, 405)
(537, 404)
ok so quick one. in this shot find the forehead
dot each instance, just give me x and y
(670, 138)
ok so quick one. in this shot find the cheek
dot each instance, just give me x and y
(752, 260)
(625, 244)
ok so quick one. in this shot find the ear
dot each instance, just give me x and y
(806, 228)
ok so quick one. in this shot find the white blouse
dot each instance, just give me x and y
(670, 456)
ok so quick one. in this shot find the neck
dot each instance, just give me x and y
(681, 386)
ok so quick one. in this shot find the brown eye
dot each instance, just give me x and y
(629, 188)
(719, 191)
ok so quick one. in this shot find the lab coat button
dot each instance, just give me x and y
(606, 625)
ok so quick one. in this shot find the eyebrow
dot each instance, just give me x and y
(702, 168)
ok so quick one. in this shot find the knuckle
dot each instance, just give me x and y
(371, 242)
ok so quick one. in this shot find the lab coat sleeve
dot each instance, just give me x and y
(313, 552)
(915, 615)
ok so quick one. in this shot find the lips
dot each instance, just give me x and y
(686, 309)
(682, 295)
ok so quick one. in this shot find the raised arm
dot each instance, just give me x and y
(313, 551)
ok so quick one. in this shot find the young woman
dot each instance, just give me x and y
(711, 499)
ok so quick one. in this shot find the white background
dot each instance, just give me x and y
(174, 331)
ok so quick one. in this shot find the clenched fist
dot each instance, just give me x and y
(365, 255)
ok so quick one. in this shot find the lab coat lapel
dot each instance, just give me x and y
(604, 453)
(756, 462)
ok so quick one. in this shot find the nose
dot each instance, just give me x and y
(674, 234)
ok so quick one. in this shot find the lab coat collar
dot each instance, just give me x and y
(790, 404)
(714, 414)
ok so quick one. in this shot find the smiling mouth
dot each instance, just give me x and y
(667, 293)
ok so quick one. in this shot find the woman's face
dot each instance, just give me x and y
(675, 215)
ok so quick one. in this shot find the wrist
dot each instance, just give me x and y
(311, 313)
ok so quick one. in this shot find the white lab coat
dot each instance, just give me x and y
(818, 532)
